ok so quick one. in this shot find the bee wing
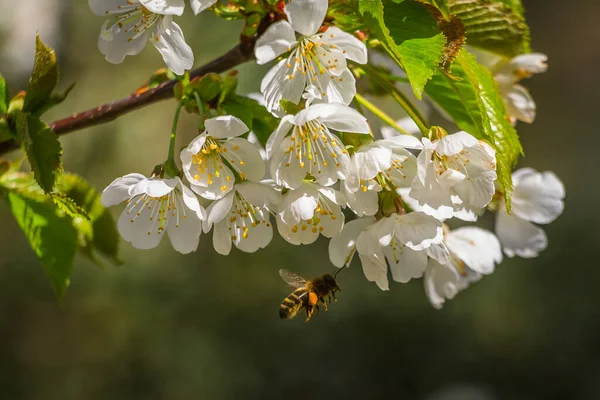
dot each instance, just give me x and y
(292, 279)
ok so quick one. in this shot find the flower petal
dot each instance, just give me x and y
(343, 246)
(119, 189)
(277, 137)
(441, 282)
(168, 40)
(245, 157)
(257, 194)
(140, 230)
(299, 233)
(222, 238)
(375, 269)
(185, 233)
(477, 248)
(107, 7)
(299, 204)
(520, 104)
(352, 48)
(191, 201)
(276, 40)
(453, 144)
(337, 89)
(258, 237)
(306, 16)
(537, 197)
(218, 210)
(114, 43)
(154, 187)
(335, 116)
(200, 5)
(417, 230)
(226, 126)
(519, 237)
(405, 263)
(164, 7)
(282, 82)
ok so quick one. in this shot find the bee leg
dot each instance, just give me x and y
(309, 312)
(318, 310)
(322, 300)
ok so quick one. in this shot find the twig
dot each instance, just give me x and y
(243, 52)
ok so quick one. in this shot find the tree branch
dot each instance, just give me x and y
(243, 52)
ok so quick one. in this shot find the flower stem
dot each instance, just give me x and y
(379, 113)
(397, 95)
(202, 110)
(170, 166)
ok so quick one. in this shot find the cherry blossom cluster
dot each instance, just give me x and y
(401, 193)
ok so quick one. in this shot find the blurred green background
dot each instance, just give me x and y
(167, 326)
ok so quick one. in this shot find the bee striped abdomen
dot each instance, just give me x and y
(292, 304)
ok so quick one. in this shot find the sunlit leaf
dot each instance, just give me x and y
(44, 78)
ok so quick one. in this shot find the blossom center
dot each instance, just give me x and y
(243, 217)
(314, 147)
(136, 21)
(154, 213)
(457, 162)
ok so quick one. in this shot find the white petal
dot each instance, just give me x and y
(119, 189)
(282, 82)
(332, 224)
(477, 248)
(139, 230)
(306, 16)
(115, 43)
(191, 201)
(340, 89)
(353, 48)
(375, 269)
(335, 116)
(300, 233)
(168, 40)
(417, 230)
(534, 63)
(343, 246)
(200, 5)
(335, 196)
(286, 169)
(277, 137)
(520, 104)
(363, 202)
(258, 237)
(226, 126)
(438, 252)
(299, 204)
(406, 264)
(537, 197)
(164, 7)
(519, 237)
(276, 40)
(185, 233)
(218, 210)
(222, 238)
(402, 142)
(453, 144)
(154, 187)
(245, 157)
(371, 160)
(207, 184)
(441, 282)
(257, 194)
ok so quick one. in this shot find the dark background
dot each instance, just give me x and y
(167, 326)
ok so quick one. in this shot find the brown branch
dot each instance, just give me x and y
(108, 112)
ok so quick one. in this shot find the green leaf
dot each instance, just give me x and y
(98, 232)
(42, 148)
(3, 96)
(410, 34)
(229, 87)
(95, 225)
(52, 237)
(68, 206)
(207, 86)
(44, 78)
(470, 96)
(497, 26)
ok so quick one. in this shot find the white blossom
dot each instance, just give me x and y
(136, 22)
(537, 198)
(242, 218)
(308, 211)
(154, 206)
(311, 147)
(454, 172)
(519, 103)
(316, 61)
(472, 253)
(204, 159)
(404, 240)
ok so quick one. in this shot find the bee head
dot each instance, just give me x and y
(331, 282)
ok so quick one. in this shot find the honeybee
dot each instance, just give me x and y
(308, 294)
